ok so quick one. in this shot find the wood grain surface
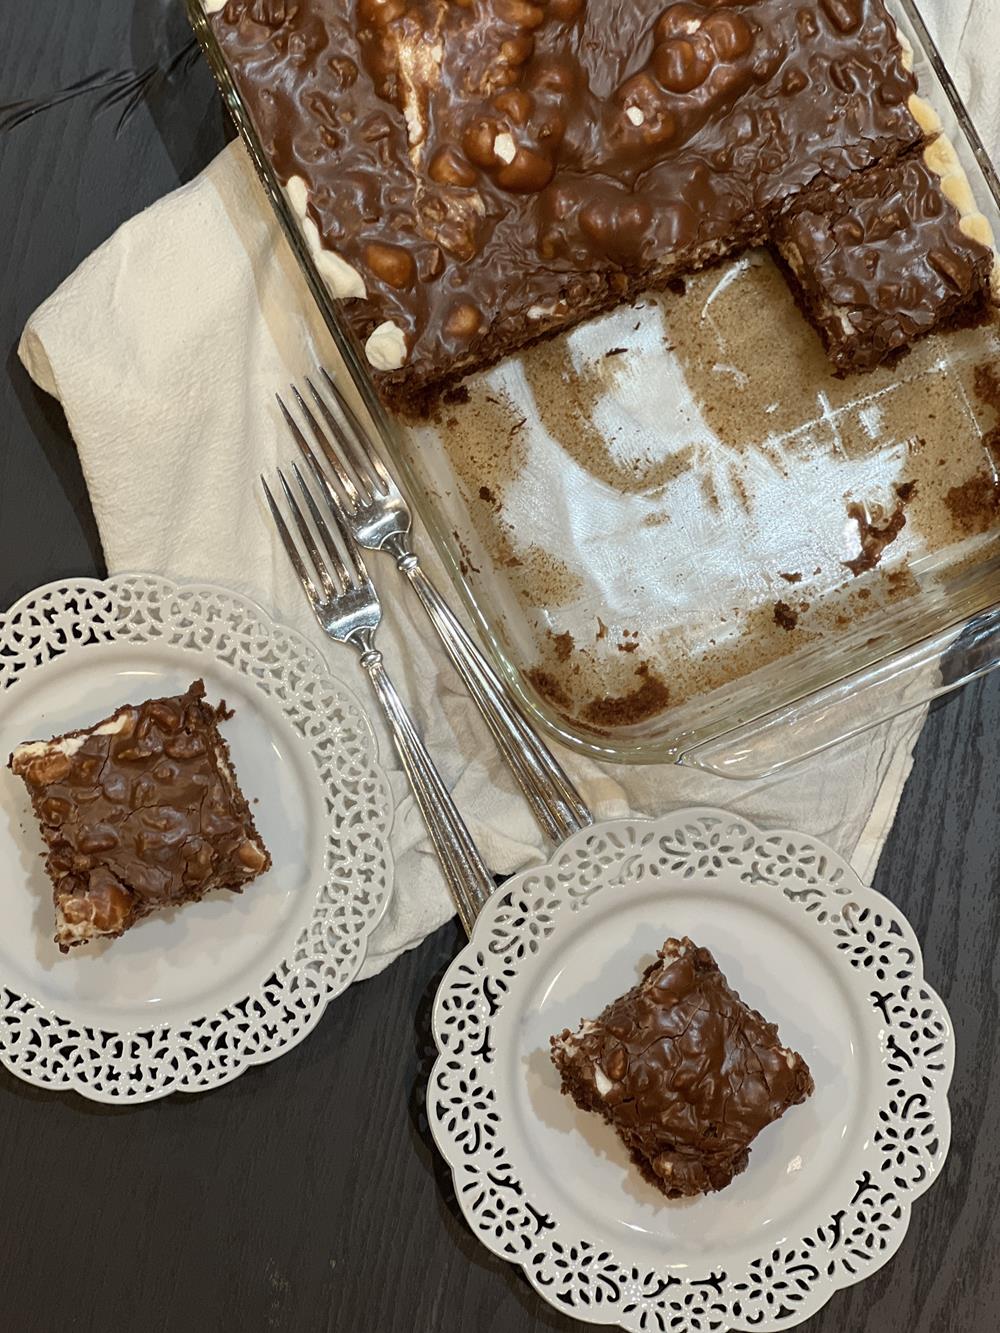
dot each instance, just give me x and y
(307, 1195)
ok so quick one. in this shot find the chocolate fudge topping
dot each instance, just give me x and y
(484, 172)
(139, 812)
(685, 1072)
(882, 261)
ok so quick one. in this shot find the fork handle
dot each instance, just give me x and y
(468, 879)
(554, 800)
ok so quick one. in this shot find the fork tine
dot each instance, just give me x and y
(340, 472)
(350, 416)
(355, 486)
(319, 476)
(336, 508)
(352, 437)
(315, 555)
(323, 529)
(293, 551)
(351, 547)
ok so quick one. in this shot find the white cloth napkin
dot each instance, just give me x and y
(165, 349)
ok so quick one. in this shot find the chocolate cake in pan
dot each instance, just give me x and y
(472, 175)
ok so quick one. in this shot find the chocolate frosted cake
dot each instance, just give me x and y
(882, 261)
(472, 175)
(685, 1072)
(140, 812)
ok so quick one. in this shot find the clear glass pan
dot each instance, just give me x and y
(648, 518)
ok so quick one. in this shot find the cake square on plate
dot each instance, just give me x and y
(139, 812)
(684, 1071)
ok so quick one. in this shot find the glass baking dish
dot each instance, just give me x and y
(650, 519)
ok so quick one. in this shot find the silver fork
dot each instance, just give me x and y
(347, 607)
(371, 505)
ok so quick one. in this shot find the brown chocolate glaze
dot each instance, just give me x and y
(685, 1072)
(882, 261)
(141, 816)
(390, 111)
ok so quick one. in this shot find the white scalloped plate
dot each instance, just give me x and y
(826, 1198)
(187, 999)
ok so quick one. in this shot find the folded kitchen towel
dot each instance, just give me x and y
(165, 349)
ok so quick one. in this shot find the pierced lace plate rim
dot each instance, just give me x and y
(568, 1270)
(319, 967)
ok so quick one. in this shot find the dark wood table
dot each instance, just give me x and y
(307, 1195)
